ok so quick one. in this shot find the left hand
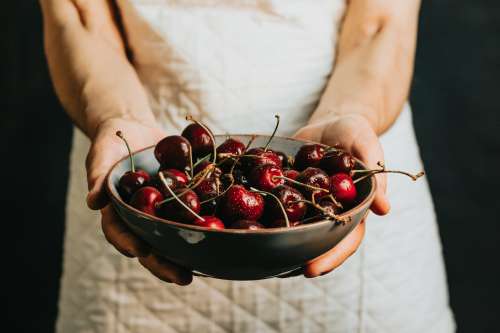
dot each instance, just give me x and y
(355, 134)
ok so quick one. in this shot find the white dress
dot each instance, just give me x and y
(236, 65)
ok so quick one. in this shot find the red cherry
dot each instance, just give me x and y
(172, 209)
(200, 140)
(313, 177)
(291, 199)
(256, 157)
(171, 180)
(290, 173)
(131, 181)
(284, 158)
(201, 166)
(231, 146)
(180, 176)
(266, 177)
(210, 222)
(309, 155)
(337, 161)
(281, 223)
(207, 189)
(173, 152)
(246, 224)
(145, 199)
(343, 188)
(241, 204)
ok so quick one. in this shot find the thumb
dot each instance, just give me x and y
(99, 162)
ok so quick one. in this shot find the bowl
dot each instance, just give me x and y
(234, 254)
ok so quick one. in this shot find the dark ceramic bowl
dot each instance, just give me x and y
(236, 254)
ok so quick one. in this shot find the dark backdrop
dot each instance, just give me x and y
(456, 112)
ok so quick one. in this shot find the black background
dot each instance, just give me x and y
(455, 97)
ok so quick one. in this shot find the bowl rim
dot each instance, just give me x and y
(356, 209)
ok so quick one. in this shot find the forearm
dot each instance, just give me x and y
(89, 68)
(374, 65)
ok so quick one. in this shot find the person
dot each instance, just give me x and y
(338, 72)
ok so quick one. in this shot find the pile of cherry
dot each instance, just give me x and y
(238, 187)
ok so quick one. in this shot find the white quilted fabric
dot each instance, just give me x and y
(236, 65)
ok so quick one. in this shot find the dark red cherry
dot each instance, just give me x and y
(286, 161)
(209, 207)
(171, 180)
(207, 189)
(246, 224)
(173, 152)
(309, 155)
(131, 181)
(256, 157)
(328, 209)
(231, 146)
(291, 199)
(314, 177)
(200, 139)
(239, 177)
(241, 204)
(290, 173)
(337, 161)
(266, 177)
(210, 222)
(145, 199)
(343, 188)
(281, 223)
(173, 210)
(201, 166)
(180, 176)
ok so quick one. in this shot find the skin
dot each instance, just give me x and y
(101, 92)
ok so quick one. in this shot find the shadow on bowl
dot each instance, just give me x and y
(233, 254)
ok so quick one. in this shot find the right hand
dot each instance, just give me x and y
(105, 151)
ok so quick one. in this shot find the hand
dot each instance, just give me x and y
(355, 134)
(106, 149)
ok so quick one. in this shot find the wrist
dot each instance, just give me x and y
(356, 112)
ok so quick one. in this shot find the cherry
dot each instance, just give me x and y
(207, 189)
(286, 162)
(309, 155)
(343, 188)
(266, 177)
(314, 177)
(291, 174)
(174, 152)
(210, 222)
(171, 180)
(179, 176)
(256, 157)
(209, 207)
(337, 161)
(199, 167)
(239, 177)
(246, 224)
(241, 204)
(329, 208)
(291, 199)
(131, 180)
(281, 223)
(200, 139)
(145, 199)
(181, 206)
(231, 146)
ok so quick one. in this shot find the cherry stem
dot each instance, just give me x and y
(301, 184)
(162, 177)
(279, 203)
(220, 194)
(335, 202)
(370, 173)
(132, 165)
(214, 152)
(274, 132)
(203, 174)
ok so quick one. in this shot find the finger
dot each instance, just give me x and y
(120, 236)
(310, 133)
(166, 271)
(98, 163)
(336, 256)
(369, 150)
